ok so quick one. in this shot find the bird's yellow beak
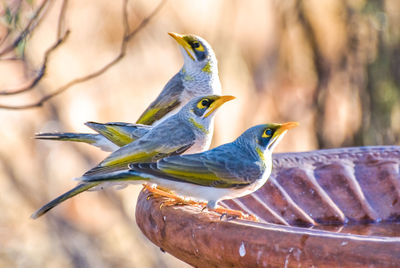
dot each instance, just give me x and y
(182, 42)
(217, 103)
(278, 134)
(287, 126)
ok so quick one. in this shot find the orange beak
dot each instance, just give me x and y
(182, 42)
(217, 103)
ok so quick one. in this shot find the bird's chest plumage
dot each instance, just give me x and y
(203, 141)
(199, 84)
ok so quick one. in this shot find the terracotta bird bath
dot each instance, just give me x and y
(325, 208)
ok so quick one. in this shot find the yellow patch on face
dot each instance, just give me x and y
(207, 68)
(193, 42)
(200, 46)
(260, 154)
(267, 133)
(198, 126)
(200, 103)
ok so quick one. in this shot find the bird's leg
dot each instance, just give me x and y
(175, 200)
(233, 213)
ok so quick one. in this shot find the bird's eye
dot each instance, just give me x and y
(267, 133)
(203, 103)
(196, 44)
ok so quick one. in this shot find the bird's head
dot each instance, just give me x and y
(197, 53)
(201, 110)
(264, 138)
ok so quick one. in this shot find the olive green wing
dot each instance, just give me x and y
(215, 168)
(118, 132)
(163, 140)
(168, 100)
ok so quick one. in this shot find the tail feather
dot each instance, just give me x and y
(93, 139)
(71, 193)
(126, 175)
(100, 181)
(67, 136)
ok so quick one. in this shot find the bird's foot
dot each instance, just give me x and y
(173, 199)
(230, 213)
(182, 202)
(158, 191)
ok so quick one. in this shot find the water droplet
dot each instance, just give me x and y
(242, 250)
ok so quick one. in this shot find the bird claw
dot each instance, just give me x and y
(174, 199)
(181, 202)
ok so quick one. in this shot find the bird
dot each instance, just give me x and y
(228, 171)
(197, 77)
(188, 131)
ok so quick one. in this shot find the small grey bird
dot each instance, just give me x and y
(197, 77)
(228, 171)
(188, 131)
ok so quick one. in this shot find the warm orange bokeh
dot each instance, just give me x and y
(330, 65)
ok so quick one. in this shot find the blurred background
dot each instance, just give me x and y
(333, 66)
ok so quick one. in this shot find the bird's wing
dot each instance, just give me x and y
(168, 100)
(163, 141)
(216, 169)
(120, 133)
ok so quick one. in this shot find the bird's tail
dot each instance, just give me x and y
(66, 136)
(99, 181)
(71, 193)
(118, 176)
(93, 139)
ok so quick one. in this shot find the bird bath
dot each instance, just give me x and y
(325, 208)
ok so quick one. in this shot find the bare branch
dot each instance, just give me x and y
(5, 36)
(36, 18)
(128, 35)
(145, 21)
(125, 18)
(61, 18)
(42, 70)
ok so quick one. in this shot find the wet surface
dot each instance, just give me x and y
(385, 229)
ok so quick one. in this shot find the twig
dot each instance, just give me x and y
(125, 17)
(145, 21)
(61, 18)
(5, 36)
(9, 31)
(42, 70)
(28, 28)
(128, 35)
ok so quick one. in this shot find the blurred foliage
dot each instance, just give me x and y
(332, 65)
